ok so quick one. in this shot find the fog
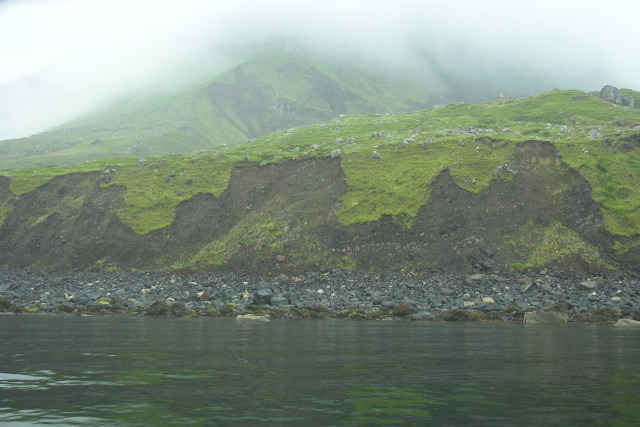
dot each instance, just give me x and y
(65, 58)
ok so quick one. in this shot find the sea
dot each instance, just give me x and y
(139, 371)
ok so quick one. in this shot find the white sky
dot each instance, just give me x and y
(62, 58)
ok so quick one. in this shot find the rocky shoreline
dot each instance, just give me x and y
(479, 297)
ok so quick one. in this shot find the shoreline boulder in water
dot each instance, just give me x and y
(551, 315)
(628, 323)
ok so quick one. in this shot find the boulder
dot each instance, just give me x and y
(475, 251)
(336, 153)
(629, 101)
(609, 93)
(476, 279)
(422, 315)
(178, 309)
(627, 323)
(252, 317)
(222, 295)
(376, 155)
(279, 301)
(589, 285)
(158, 308)
(552, 315)
(262, 297)
(283, 278)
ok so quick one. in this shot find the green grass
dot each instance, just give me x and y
(469, 140)
(155, 189)
(535, 246)
(193, 119)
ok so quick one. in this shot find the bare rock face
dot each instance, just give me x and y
(610, 93)
(629, 101)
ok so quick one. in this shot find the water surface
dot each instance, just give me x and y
(70, 370)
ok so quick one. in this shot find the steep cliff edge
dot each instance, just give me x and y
(282, 217)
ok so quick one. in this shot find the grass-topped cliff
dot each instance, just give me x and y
(481, 148)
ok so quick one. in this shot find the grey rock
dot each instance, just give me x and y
(279, 301)
(106, 178)
(609, 93)
(388, 304)
(376, 155)
(627, 323)
(251, 317)
(547, 316)
(158, 308)
(589, 285)
(222, 295)
(376, 298)
(476, 279)
(262, 297)
(283, 278)
(336, 153)
(422, 315)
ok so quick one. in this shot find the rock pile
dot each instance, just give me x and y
(327, 294)
(612, 94)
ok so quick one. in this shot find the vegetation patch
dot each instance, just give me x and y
(536, 245)
(154, 189)
(264, 233)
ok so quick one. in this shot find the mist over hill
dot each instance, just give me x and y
(273, 90)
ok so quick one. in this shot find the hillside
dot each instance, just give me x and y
(271, 91)
(550, 181)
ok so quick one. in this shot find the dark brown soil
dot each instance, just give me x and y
(455, 230)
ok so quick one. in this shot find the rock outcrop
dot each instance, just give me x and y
(613, 95)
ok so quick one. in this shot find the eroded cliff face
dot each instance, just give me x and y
(460, 230)
(281, 217)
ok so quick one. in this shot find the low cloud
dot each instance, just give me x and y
(64, 58)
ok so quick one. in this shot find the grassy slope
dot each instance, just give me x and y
(470, 140)
(182, 123)
(189, 121)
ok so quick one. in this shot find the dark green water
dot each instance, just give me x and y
(64, 370)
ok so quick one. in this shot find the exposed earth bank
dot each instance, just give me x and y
(476, 297)
(281, 218)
